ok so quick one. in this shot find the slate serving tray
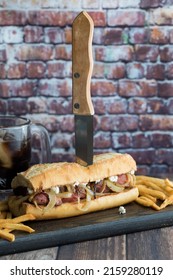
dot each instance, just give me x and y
(87, 227)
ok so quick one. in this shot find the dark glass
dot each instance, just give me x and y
(15, 157)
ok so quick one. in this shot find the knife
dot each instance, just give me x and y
(82, 66)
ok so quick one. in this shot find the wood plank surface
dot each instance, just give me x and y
(112, 248)
(43, 254)
(151, 245)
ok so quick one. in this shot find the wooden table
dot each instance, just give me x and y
(156, 244)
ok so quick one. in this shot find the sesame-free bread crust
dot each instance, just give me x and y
(44, 176)
(109, 164)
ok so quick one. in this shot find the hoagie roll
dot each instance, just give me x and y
(61, 190)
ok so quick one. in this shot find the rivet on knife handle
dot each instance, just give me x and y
(82, 65)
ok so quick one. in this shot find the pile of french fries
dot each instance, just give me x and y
(154, 192)
(9, 224)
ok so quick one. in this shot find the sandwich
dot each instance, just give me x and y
(61, 190)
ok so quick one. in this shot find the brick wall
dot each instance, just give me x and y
(132, 87)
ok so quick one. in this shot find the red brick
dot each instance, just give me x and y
(98, 70)
(17, 88)
(146, 53)
(161, 140)
(3, 106)
(17, 106)
(116, 106)
(102, 140)
(3, 54)
(135, 70)
(144, 156)
(35, 52)
(50, 18)
(13, 17)
(102, 88)
(56, 69)
(169, 106)
(165, 89)
(137, 106)
(157, 106)
(156, 169)
(119, 123)
(166, 54)
(138, 35)
(143, 169)
(162, 16)
(99, 18)
(115, 71)
(55, 87)
(151, 4)
(155, 71)
(67, 123)
(159, 35)
(67, 35)
(53, 35)
(141, 140)
(109, 105)
(121, 140)
(156, 122)
(141, 88)
(33, 34)
(114, 53)
(62, 140)
(2, 71)
(126, 18)
(164, 156)
(36, 69)
(59, 106)
(16, 71)
(113, 36)
(37, 105)
(4, 89)
(63, 52)
(169, 70)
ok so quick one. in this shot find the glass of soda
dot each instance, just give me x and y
(15, 147)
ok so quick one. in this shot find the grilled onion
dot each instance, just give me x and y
(52, 200)
(113, 187)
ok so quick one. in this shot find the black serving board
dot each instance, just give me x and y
(87, 227)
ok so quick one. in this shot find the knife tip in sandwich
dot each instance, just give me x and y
(61, 190)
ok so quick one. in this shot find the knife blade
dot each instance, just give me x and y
(82, 66)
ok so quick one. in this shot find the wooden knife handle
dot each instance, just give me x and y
(82, 64)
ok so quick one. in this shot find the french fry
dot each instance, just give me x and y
(144, 190)
(169, 183)
(158, 181)
(6, 235)
(8, 224)
(167, 202)
(154, 199)
(154, 192)
(20, 219)
(14, 226)
(147, 202)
